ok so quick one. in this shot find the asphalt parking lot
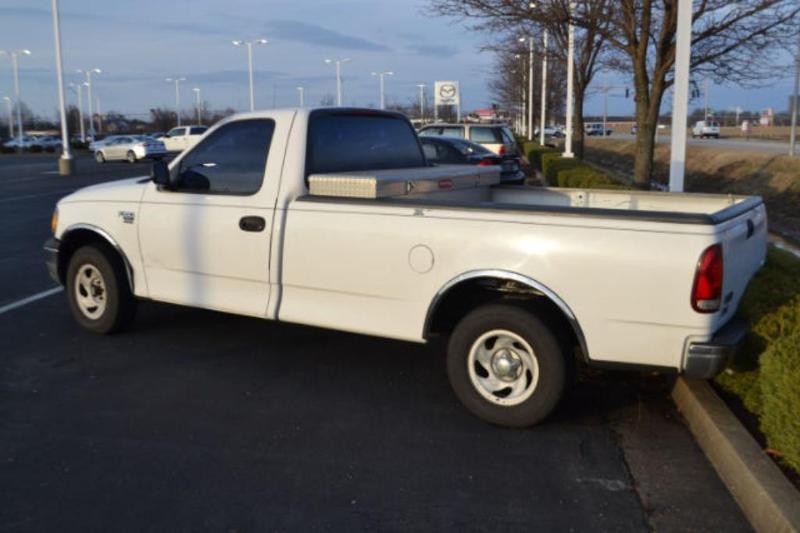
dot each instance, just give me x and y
(194, 420)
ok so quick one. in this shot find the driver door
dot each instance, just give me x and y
(206, 242)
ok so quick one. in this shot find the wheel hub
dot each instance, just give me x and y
(506, 364)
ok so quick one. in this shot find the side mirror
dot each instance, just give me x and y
(160, 174)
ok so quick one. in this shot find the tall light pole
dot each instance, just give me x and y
(177, 82)
(381, 76)
(338, 63)
(249, 45)
(421, 102)
(196, 91)
(88, 73)
(795, 106)
(301, 93)
(680, 96)
(523, 112)
(78, 89)
(10, 117)
(65, 161)
(15, 65)
(543, 118)
(570, 82)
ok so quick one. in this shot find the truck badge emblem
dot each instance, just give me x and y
(127, 216)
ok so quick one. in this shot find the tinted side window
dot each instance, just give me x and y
(430, 132)
(174, 132)
(351, 141)
(453, 132)
(197, 130)
(485, 135)
(231, 160)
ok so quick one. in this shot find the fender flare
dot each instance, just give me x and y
(108, 239)
(513, 276)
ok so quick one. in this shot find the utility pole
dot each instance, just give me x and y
(78, 89)
(381, 76)
(795, 106)
(65, 166)
(570, 82)
(543, 118)
(705, 116)
(680, 96)
(99, 115)
(88, 73)
(338, 63)
(177, 81)
(17, 100)
(421, 102)
(196, 91)
(10, 117)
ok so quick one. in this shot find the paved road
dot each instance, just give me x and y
(753, 145)
(194, 420)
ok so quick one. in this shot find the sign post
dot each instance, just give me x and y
(446, 93)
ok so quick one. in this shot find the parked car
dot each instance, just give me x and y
(96, 143)
(496, 137)
(49, 142)
(705, 129)
(450, 151)
(551, 131)
(130, 148)
(596, 129)
(332, 218)
(183, 137)
(25, 143)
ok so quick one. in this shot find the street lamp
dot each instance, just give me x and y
(338, 63)
(530, 82)
(570, 82)
(177, 82)
(523, 114)
(301, 92)
(543, 117)
(15, 65)
(65, 161)
(10, 117)
(88, 83)
(381, 76)
(78, 89)
(421, 102)
(249, 45)
(196, 91)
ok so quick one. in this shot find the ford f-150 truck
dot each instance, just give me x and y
(333, 218)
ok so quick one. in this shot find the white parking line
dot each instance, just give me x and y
(30, 299)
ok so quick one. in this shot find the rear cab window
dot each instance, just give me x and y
(485, 135)
(349, 140)
(197, 130)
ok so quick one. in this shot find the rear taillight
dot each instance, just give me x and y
(707, 288)
(502, 150)
(487, 162)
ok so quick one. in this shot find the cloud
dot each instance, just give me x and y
(291, 30)
(432, 50)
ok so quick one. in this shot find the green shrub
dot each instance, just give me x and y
(534, 152)
(765, 374)
(552, 164)
(586, 177)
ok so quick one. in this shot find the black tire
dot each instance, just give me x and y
(551, 360)
(120, 304)
(99, 157)
(131, 157)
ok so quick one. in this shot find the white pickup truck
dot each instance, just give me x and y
(183, 137)
(333, 218)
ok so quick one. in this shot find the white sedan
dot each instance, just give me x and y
(130, 148)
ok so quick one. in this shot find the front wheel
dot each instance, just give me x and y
(99, 157)
(131, 157)
(97, 288)
(506, 366)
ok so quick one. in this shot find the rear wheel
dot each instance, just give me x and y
(97, 288)
(506, 366)
(99, 157)
(131, 157)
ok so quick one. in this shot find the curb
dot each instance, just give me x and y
(765, 496)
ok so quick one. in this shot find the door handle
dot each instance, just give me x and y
(252, 224)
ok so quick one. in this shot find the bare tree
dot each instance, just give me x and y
(736, 41)
(513, 19)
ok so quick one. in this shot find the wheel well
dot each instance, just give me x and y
(78, 238)
(465, 296)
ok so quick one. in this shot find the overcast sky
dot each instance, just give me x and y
(137, 43)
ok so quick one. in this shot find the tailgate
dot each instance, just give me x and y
(744, 248)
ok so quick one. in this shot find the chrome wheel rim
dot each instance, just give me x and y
(503, 367)
(90, 291)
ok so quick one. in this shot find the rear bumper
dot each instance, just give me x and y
(705, 360)
(51, 249)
